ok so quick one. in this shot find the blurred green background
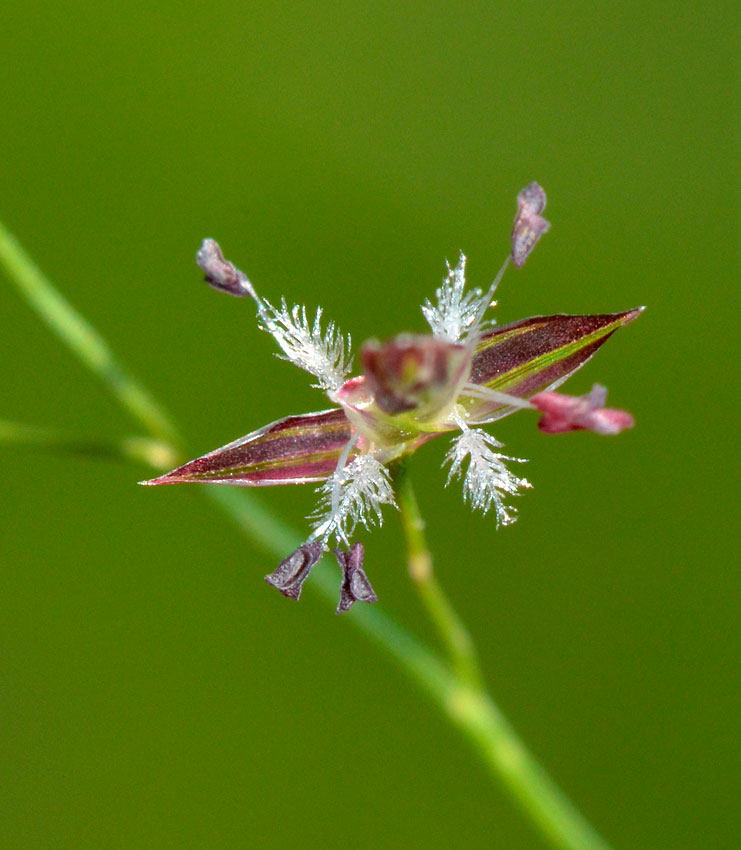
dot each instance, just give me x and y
(155, 693)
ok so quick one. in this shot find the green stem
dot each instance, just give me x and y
(452, 630)
(82, 338)
(468, 703)
(459, 692)
(509, 761)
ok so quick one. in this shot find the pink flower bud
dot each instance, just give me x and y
(529, 226)
(562, 413)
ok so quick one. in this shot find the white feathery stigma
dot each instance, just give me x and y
(353, 494)
(487, 480)
(456, 312)
(325, 355)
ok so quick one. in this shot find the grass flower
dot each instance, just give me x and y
(466, 373)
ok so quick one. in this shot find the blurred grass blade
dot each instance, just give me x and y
(151, 452)
(82, 338)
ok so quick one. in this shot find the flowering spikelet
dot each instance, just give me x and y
(412, 389)
(487, 479)
(351, 495)
(326, 355)
(456, 312)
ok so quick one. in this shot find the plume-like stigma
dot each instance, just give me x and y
(323, 354)
(487, 480)
(456, 312)
(353, 494)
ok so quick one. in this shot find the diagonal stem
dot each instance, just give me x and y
(76, 333)
(470, 706)
(453, 632)
(459, 691)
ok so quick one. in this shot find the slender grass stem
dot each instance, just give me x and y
(469, 705)
(77, 334)
(511, 763)
(453, 632)
(458, 690)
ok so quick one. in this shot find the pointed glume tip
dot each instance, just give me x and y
(631, 315)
